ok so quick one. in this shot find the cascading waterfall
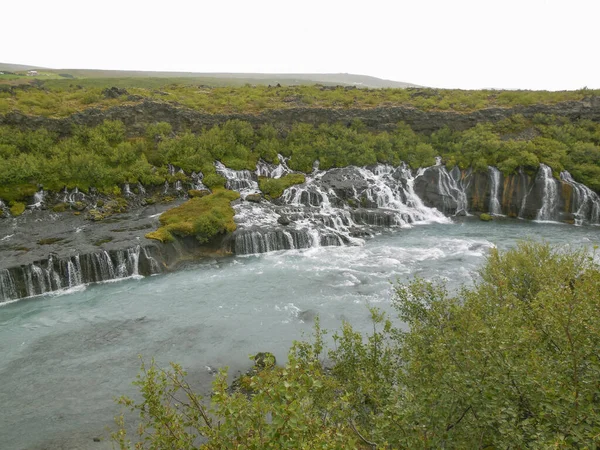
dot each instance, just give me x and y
(8, 289)
(549, 208)
(127, 190)
(238, 180)
(585, 204)
(38, 199)
(197, 181)
(74, 277)
(264, 169)
(103, 266)
(496, 181)
(453, 189)
(322, 212)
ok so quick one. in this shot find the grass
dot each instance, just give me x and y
(202, 217)
(62, 97)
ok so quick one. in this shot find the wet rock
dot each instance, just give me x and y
(283, 220)
(307, 316)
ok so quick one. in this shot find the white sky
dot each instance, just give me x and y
(525, 44)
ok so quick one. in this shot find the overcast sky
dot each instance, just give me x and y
(525, 44)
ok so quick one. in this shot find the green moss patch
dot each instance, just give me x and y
(202, 217)
(17, 208)
(106, 240)
(274, 187)
(485, 217)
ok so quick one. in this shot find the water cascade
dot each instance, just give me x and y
(496, 182)
(7, 285)
(38, 199)
(332, 208)
(242, 181)
(585, 203)
(453, 190)
(197, 178)
(549, 209)
(264, 169)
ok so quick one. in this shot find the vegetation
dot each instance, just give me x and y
(274, 187)
(61, 97)
(508, 363)
(202, 217)
(105, 157)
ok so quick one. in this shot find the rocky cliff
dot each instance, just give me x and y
(137, 116)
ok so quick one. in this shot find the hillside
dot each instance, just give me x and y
(219, 79)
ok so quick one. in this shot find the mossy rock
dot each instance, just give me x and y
(95, 215)
(352, 203)
(60, 207)
(100, 203)
(79, 206)
(254, 198)
(485, 217)
(17, 208)
(203, 218)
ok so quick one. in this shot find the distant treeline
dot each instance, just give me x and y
(104, 157)
(63, 97)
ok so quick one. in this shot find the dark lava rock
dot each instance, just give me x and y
(307, 316)
(283, 220)
(114, 92)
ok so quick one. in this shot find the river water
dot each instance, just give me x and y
(65, 356)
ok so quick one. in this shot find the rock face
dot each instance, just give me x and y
(137, 116)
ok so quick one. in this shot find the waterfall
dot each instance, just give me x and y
(242, 181)
(141, 189)
(197, 181)
(264, 169)
(166, 188)
(550, 198)
(38, 199)
(8, 290)
(154, 265)
(127, 190)
(178, 186)
(585, 203)
(495, 177)
(133, 258)
(452, 189)
(74, 277)
(103, 266)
